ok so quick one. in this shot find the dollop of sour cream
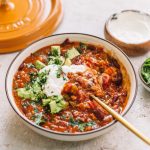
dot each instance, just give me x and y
(55, 84)
(130, 27)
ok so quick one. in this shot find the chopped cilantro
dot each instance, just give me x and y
(25, 104)
(66, 55)
(55, 50)
(59, 72)
(42, 77)
(81, 125)
(39, 118)
(72, 122)
(55, 57)
(55, 53)
(32, 74)
(81, 47)
(63, 117)
(58, 60)
(64, 78)
(36, 110)
(145, 71)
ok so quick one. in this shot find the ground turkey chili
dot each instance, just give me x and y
(52, 87)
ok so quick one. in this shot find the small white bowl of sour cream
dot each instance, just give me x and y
(130, 30)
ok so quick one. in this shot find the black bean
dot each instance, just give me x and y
(91, 47)
(99, 114)
(113, 62)
(66, 42)
(117, 79)
(21, 66)
(115, 97)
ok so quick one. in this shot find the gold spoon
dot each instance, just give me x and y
(122, 120)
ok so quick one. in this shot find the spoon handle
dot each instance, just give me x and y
(122, 120)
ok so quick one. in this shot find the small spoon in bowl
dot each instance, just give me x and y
(122, 120)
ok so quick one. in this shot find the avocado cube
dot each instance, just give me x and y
(72, 53)
(39, 64)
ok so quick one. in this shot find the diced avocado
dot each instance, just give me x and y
(63, 104)
(25, 94)
(55, 50)
(36, 88)
(58, 109)
(72, 53)
(39, 64)
(67, 62)
(57, 98)
(33, 92)
(46, 101)
(57, 104)
(53, 107)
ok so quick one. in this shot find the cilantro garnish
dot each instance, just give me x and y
(81, 125)
(59, 72)
(39, 118)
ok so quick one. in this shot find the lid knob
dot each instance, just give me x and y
(3, 2)
(6, 4)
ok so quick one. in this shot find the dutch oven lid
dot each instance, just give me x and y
(22, 22)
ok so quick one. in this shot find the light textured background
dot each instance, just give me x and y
(86, 16)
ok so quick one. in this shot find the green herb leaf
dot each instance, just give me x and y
(39, 118)
(81, 125)
(72, 122)
(63, 116)
(82, 47)
(58, 60)
(36, 110)
(145, 71)
(55, 50)
(59, 72)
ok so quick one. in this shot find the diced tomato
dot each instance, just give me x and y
(105, 80)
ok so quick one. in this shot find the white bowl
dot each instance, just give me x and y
(129, 22)
(59, 38)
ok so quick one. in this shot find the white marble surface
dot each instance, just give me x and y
(86, 16)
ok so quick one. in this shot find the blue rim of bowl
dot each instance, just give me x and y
(70, 134)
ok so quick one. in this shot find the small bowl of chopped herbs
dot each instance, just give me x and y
(144, 73)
